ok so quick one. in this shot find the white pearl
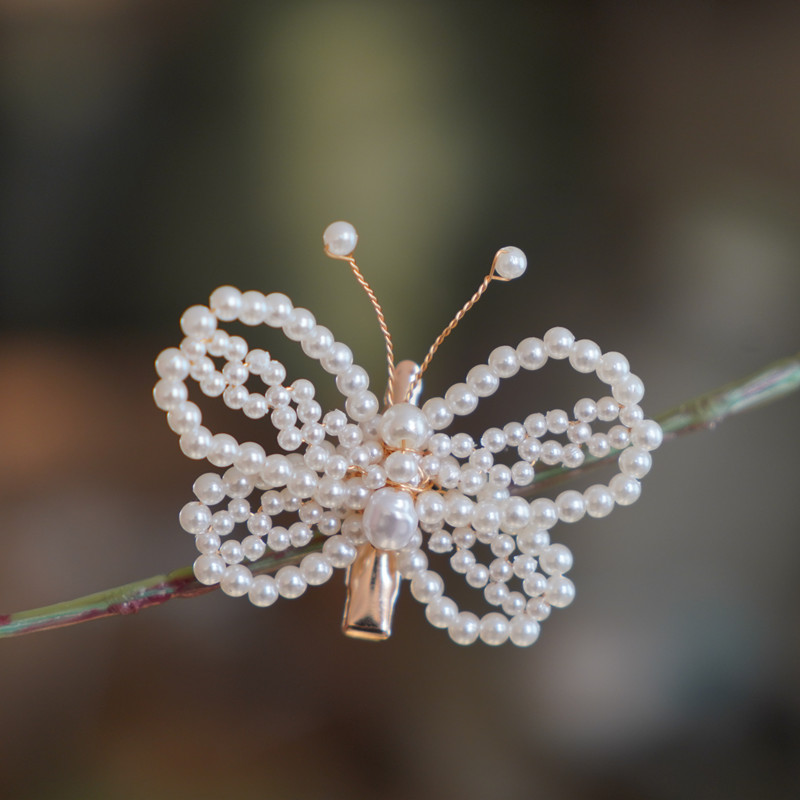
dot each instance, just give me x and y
(628, 390)
(172, 364)
(235, 397)
(236, 483)
(462, 560)
(214, 385)
(300, 534)
(504, 361)
(223, 451)
(207, 543)
(253, 547)
(585, 410)
(523, 630)
(552, 452)
(441, 612)
(625, 489)
(184, 418)
(482, 381)
(318, 342)
(209, 568)
(352, 381)
(196, 443)
(390, 519)
(571, 506)
(278, 539)
(619, 437)
(254, 308)
(340, 238)
(584, 355)
(198, 322)
(263, 591)
(465, 628)
(338, 358)
(531, 353)
(459, 509)
(169, 394)
(430, 507)
(522, 473)
(598, 445)
(438, 413)
(494, 628)
(647, 434)
(426, 586)
(631, 415)
(222, 522)
(486, 517)
(510, 262)
(599, 501)
(613, 367)
(404, 426)
(558, 342)
(515, 604)
(556, 559)
(460, 399)
(195, 517)
(494, 440)
(516, 514)
(225, 302)
(544, 513)
(635, 462)
(477, 575)
(362, 406)
(290, 581)
(279, 307)
(557, 420)
(315, 569)
(560, 591)
(299, 324)
(236, 580)
(251, 458)
(339, 552)
(290, 439)
(232, 551)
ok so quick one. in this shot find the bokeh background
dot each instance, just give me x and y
(646, 158)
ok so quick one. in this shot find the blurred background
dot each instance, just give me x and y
(645, 158)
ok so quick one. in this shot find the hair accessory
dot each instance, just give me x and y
(384, 487)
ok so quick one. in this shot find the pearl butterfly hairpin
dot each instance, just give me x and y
(381, 486)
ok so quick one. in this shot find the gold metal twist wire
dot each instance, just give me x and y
(387, 337)
(449, 329)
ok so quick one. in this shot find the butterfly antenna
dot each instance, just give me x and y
(509, 263)
(340, 239)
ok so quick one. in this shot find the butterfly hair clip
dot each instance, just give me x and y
(383, 485)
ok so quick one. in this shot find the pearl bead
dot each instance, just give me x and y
(404, 426)
(426, 586)
(631, 415)
(225, 302)
(516, 514)
(209, 569)
(299, 324)
(522, 473)
(352, 381)
(477, 575)
(584, 356)
(339, 552)
(441, 612)
(254, 308)
(278, 539)
(278, 309)
(628, 390)
(544, 513)
(585, 410)
(195, 517)
(172, 364)
(236, 580)
(184, 418)
(253, 547)
(482, 381)
(340, 238)
(494, 628)
(599, 501)
(318, 342)
(223, 451)
(647, 434)
(510, 262)
(504, 361)
(290, 581)
(558, 342)
(338, 358)
(635, 462)
(494, 440)
(624, 489)
(263, 591)
(460, 400)
(390, 519)
(571, 506)
(198, 322)
(315, 569)
(250, 459)
(523, 630)
(465, 628)
(607, 409)
(362, 406)
(531, 353)
(556, 559)
(232, 551)
(207, 543)
(169, 394)
(613, 367)
(560, 591)
(438, 413)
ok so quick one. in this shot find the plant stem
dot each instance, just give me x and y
(769, 384)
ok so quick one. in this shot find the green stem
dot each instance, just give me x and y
(765, 386)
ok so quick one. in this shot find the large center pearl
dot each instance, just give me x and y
(404, 426)
(390, 519)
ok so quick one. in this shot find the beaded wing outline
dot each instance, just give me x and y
(385, 490)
